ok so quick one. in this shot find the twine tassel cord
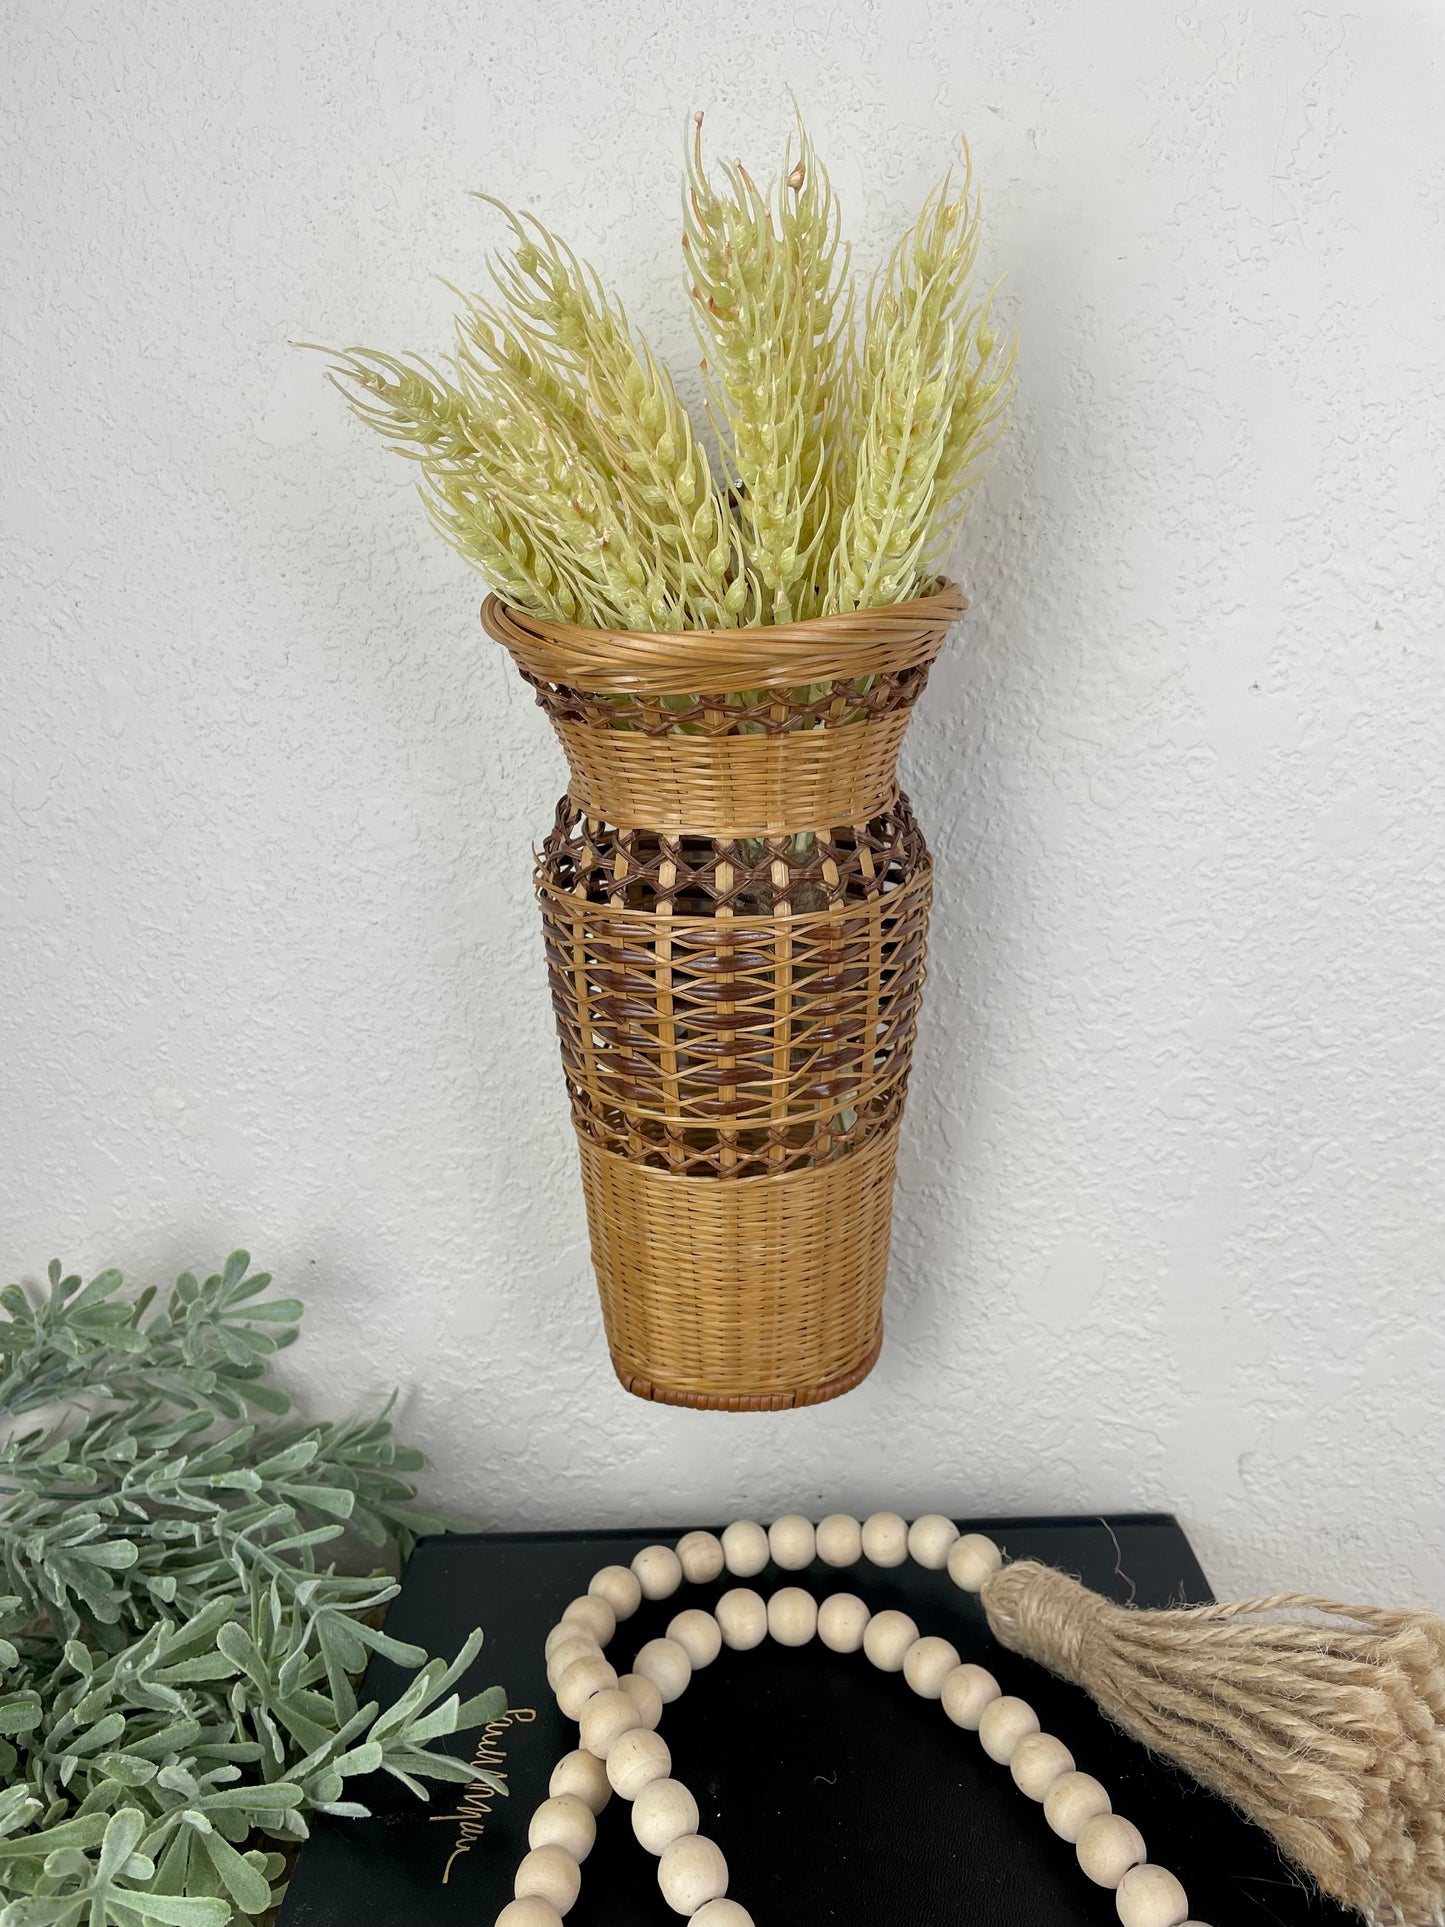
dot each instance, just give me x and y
(1327, 1731)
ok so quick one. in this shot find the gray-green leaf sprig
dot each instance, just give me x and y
(178, 1669)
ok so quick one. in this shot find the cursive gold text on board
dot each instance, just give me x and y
(469, 1816)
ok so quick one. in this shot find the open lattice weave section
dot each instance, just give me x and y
(731, 1009)
(837, 702)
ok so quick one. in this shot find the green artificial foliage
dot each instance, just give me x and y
(177, 1666)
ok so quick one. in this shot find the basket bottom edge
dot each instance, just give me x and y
(788, 1400)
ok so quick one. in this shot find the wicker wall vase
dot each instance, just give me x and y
(735, 902)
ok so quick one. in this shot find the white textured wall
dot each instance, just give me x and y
(1170, 1209)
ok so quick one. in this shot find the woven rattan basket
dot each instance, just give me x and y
(735, 900)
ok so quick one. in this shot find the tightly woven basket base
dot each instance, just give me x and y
(755, 1294)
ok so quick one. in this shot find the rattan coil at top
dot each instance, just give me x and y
(729, 1010)
(761, 1295)
(836, 648)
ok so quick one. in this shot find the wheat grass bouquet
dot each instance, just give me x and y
(557, 458)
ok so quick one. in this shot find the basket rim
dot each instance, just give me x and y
(613, 662)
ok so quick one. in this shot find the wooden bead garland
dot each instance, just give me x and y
(582, 1773)
(887, 1640)
(745, 1548)
(667, 1665)
(619, 1586)
(967, 1694)
(605, 1718)
(622, 1752)
(927, 1664)
(1151, 1897)
(742, 1618)
(699, 1636)
(839, 1540)
(792, 1616)
(664, 1811)
(792, 1542)
(691, 1872)
(1108, 1847)
(659, 1572)
(1038, 1760)
(644, 1696)
(564, 1821)
(842, 1622)
(930, 1540)
(593, 1615)
(701, 1557)
(885, 1539)
(532, 1911)
(1072, 1802)
(638, 1758)
(550, 1874)
(581, 1680)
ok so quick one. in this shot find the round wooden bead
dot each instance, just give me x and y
(644, 1696)
(664, 1811)
(792, 1616)
(533, 1911)
(1108, 1847)
(722, 1913)
(605, 1718)
(563, 1821)
(742, 1618)
(618, 1586)
(1004, 1724)
(1038, 1760)
(567, 1652)
(792, 1542)
(582, 1679)
(927, 1664)
(570, 1632)
(659, 1572)
(842, 1622)
(1072, 1802)
(885, 1539)
(839, 1540)
(639, 1758)
(698, 1634)
(930, 1540)
(887, 1640)
(1151, 1897)
(550, 1875)
(701, 1557)
(594, 1615)
(972, 1560)
(967, 1694)
(667, 1665)
(745, 1548)
(582, 1773)
(691, 1872)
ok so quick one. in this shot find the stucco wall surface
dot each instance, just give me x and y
(1170, 1206)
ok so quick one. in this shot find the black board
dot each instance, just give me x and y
(839, 1797)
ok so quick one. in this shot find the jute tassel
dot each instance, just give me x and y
(1329, 1735)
